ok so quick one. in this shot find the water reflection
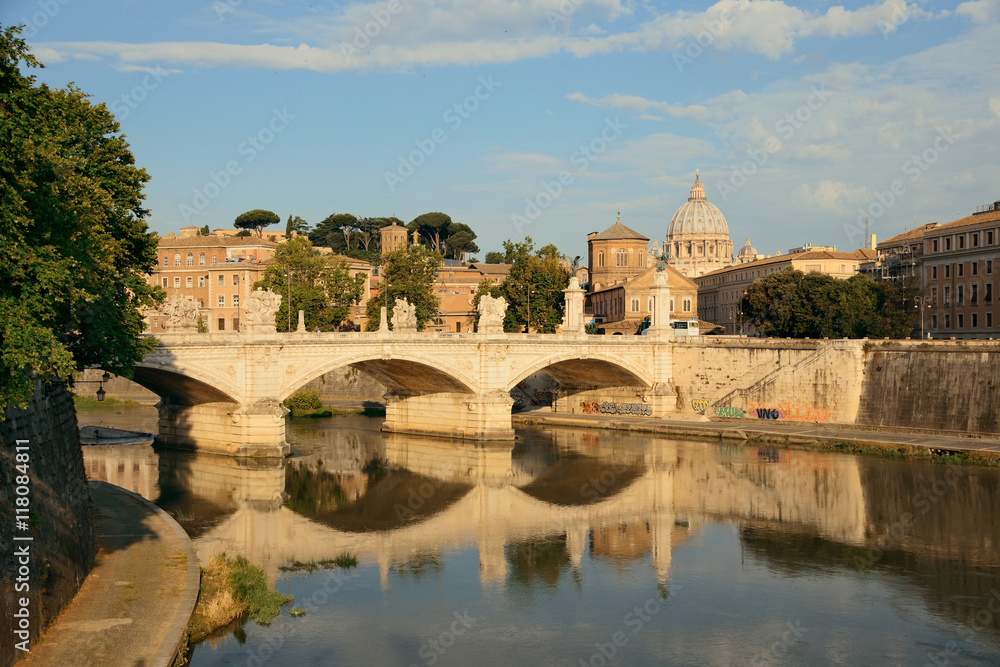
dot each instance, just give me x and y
(537, 515)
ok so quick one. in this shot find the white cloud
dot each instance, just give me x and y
(980, 11)
(719, 108)
(832, 196)
(462, 32)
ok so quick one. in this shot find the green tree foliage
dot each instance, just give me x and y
(322, 286)
(351, 236)
(74, 246)
(538, 274)
(243, 233)
(461, 241)
(296, 225)
(431, 226)
(204, 231)
(408, 273)
(494, 257)
(257, 220)
(791, 304)
(453, 240)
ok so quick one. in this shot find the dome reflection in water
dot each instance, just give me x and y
(590, 547)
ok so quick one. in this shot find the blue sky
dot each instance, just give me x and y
(546, 117)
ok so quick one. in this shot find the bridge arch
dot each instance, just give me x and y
(585, 370)
(400, 373)
(187, 386)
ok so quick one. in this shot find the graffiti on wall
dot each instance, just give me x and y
(605, 408)
(699, 405)
(802, 411)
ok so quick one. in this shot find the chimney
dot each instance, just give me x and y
(871, 243)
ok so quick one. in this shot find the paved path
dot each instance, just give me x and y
(137, 600)
(793, 432)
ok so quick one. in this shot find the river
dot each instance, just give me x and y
(585, 547)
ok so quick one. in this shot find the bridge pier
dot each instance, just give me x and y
(451, 415)
(256, 430)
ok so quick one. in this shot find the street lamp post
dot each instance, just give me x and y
(528, 328)
(922, 303)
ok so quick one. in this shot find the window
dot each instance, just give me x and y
(156, 322)
(649, 304)
(201, 281)
(933, 273)
(974, 266)
(642, 259)
(961, 241)
(961, 295)
(214, 259)
(190, 259)
(961, 321)
(988, 294)
(222, 280)
(635, 305)
(989, 238)
(236, 324)
(166, 261)
(843, 268)
(947, 321)
(989, 319)
(933, 321)
(934, 295)
(947, 295)
(671, 305)
(201, 259)
(600, 258)
(222, 324)
(974, 295)
(236, 302)
(236, 279)
(934, 245)
(687, 305)
(188, 281)
(989, 267)
(975, 320)
(177, 259)
(947, 270)
(166, 283)
(177, 282)
(961, 269)
(222, 300)
(975, 240)
(621, 258)
(947, 243)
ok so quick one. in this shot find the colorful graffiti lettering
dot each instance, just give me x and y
(605, 408)
(699, 405)
(733, 413)
(792, 411)
(768, 413)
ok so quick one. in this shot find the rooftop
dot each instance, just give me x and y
(617, 232)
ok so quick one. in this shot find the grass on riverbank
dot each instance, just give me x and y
(231, 589)
(91, 403)
(895, 451)
(334, 412)
(345, 561)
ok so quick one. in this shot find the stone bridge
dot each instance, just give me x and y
(224, 392)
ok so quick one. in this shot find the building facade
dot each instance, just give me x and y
(960, 265)
(615, 255)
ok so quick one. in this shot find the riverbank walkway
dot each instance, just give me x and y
(137, 600)
(773, 431)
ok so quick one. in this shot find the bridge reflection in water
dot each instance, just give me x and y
(553, 497)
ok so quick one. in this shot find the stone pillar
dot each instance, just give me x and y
(383, 325)
(573, 320)
(301, 328)
(660, 317)
(451, 415)
(225, 428)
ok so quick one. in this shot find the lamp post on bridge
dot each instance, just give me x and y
(922, 303)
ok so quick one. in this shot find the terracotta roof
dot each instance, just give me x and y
(865, 254)
(992, 216)
(798, 256)
(618, 231)
(489, 269)
(215, 241)
(915, 233)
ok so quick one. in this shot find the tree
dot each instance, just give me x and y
(461, 240)
(534, 287)
(433, 227)
(243, 233)
(295, 225)
(74, 246)
(257, 220)
(789, 303)
(322, 286)
(204, 231)
(408, 273)
(494, 257)
(335, 232)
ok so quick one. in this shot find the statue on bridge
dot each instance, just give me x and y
(404, 316)
(261, 306)
(181, 312)
(492, 311)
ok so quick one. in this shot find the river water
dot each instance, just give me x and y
(585, 547)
